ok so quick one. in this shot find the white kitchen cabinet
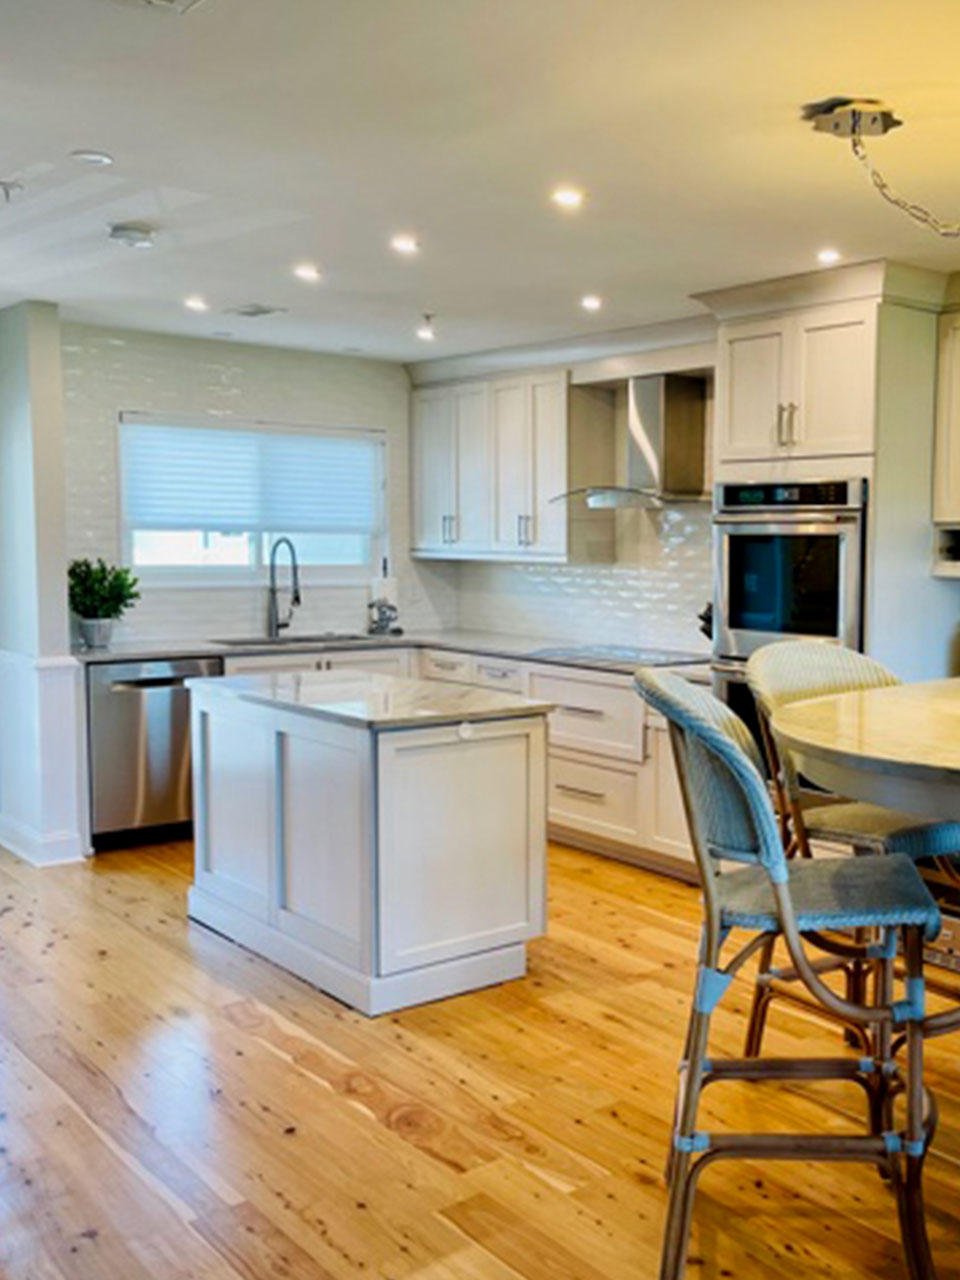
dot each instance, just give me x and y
(946, 473)
(664, 820)
(452, 490)
(390, 662)
(263, 663)
(601, 798)
(800, 385)
(530, 466)
(595, 713)
(438, 664)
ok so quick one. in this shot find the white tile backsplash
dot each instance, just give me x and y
(653, 600)
(108, 371)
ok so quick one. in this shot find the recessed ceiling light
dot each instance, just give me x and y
(99, 159)
(590, 302)
(426, 331)
(134, 235)
(403, 242)
(567, 197)
(309, 272)
(195, 303)
(827, 257)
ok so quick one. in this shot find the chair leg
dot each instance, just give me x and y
(913, 1225)
(761, 1002)
(682, 1169)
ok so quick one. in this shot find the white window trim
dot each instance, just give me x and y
(225, 577)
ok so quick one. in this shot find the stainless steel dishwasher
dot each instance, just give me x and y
(139, 725)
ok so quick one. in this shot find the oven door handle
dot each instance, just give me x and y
(763, 523)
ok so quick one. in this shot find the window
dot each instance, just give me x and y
(208, 501)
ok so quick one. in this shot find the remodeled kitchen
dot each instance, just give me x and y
(479, 645)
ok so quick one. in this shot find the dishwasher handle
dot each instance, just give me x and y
(148, 682)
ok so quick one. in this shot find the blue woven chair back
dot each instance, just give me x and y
(722, 774)
(791, 670)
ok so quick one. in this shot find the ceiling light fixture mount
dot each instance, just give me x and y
(308, 272)
(591, 302)
(829, 257)
(195, 303)
(426, 332)
(96, 159)
(567, 197)
(133, 235)
(859, 118)
(255, 310)
(404, 242)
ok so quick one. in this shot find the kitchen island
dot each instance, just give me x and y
(382, 838)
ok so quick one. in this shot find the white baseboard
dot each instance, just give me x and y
(41, 850)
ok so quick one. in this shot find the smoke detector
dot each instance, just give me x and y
(171, 6)
(255, 310)
(133, 235)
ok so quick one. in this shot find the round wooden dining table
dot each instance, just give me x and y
(898, 747)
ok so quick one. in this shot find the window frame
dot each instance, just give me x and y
(254, 575)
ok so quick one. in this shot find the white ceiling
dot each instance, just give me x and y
(256, 133)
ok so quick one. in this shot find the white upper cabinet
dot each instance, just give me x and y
(487, 459)
(946, 486)
(434, 465)
(798, 386)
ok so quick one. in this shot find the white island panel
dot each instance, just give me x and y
(461, 866)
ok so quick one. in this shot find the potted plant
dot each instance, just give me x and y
(99, 594)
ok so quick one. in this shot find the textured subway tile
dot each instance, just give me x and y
(109, 371)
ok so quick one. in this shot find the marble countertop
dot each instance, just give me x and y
(492, 644)
(371, 700)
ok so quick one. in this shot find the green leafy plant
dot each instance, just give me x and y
(100, 590)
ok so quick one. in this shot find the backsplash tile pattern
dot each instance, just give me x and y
(653, 600)
(109, 371)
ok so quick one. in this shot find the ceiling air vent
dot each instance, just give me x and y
(255, 310)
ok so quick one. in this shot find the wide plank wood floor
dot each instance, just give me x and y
(174, 1107)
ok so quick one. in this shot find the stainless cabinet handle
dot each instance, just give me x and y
(528, 530)
(454, 533)
(444, 666)
(781, 414)
(792, 410)
(443, 528)
(583, 792)
(497, 673)
(519, 531)
(593, 712)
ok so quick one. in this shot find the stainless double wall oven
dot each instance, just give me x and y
(788, 564)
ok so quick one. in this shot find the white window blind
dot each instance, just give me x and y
(250, 479)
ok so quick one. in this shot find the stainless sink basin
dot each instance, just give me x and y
(324, 637)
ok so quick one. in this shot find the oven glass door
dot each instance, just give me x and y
(782, 579)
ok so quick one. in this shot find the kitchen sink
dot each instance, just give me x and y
(324, 637)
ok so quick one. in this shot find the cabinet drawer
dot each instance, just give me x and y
(496, 674)
(594, 798)
(436, 664)
(606, 719)
(385, 661)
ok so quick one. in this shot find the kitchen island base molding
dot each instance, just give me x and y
(368, 994)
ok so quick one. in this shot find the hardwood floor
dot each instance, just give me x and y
(174, 1107)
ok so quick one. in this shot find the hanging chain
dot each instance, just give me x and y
(915, 211)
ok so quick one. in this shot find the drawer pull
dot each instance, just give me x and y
(498, 673)
(594, 712)
(445, 666)
(583, 792)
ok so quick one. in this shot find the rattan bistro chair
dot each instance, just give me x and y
(792, 671)
(732, 821)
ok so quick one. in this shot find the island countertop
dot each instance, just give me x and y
(372, 700)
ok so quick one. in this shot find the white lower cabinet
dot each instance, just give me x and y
(612, 782)
(388, 661)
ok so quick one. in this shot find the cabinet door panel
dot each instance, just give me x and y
(548, 534)
(946, 492)
(835, 381)
(513, 454)
(473, 525)
(434, 455)
(388, 662)
(751, 385)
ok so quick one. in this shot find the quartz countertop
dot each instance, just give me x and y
(371, 700)
(559, 651)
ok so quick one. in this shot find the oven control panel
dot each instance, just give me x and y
(825, 494)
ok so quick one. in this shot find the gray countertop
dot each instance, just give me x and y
(372, 701)
(562, 652)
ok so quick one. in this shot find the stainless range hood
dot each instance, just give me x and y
(666, 418)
